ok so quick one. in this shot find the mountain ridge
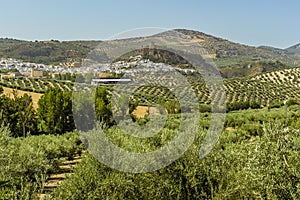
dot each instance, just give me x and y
(295, 49)
(226, 54)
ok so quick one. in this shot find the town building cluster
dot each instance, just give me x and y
(17, 68)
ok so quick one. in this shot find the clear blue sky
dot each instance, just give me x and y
(252, 22)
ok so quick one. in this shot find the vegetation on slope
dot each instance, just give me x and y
(262, 90)
(47, 52)
(225, 53)
(223, 49)
(256, 159)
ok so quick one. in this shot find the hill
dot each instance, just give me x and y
(244, 69)
(7, 42)
(233, 59)
(227, 53)
(266, 89)
(295, 50)
(46, 52)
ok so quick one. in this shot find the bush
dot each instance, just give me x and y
(263, 167)
(292, 102)
(254, 105)
(205, 108)
(277, 104)
(253, 129)
(26, 162)
(238, 106)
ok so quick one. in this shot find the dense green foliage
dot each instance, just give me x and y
(27, 162)
(257, 159)
(266, 90)
(103, 106)
(53, 116)
(18, 114)
(54, 112)
(257, 155)
(46, 52)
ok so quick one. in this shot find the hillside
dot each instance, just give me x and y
(294, 50)
(227, 53)
(261, 90)
(7, 42)
(46, 52)
(245, 69)
(233, 59)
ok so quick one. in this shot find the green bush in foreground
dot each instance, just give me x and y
(263, 166)
(26, 162)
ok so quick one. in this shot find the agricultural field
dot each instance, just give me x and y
(35, 96)
(35, 85)
(26, 163)
(35, 144)
(261, 90)
(239, 166)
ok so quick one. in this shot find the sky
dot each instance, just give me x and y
(253, 22)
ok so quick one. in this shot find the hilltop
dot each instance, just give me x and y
(294, 50)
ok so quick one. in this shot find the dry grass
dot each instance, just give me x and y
(35, 96)
(142, 111)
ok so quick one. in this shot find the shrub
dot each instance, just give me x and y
(26, 162)
(263, 167)
(204, 108)
(277, 104)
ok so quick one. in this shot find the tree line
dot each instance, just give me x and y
(53, 115)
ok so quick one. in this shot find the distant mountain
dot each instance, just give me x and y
(233, 59)
(268, 48)
(294, 49)
(46, 52)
